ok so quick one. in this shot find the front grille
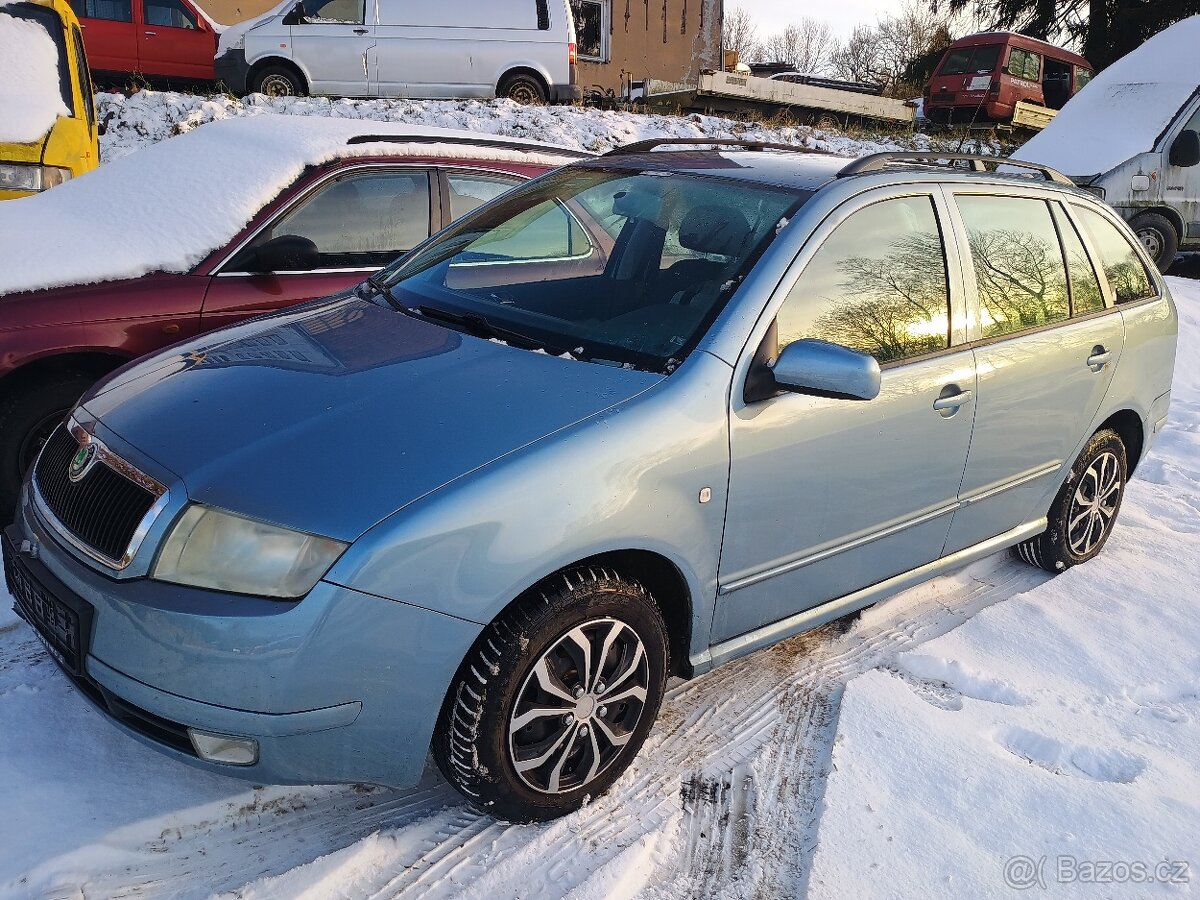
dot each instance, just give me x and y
(103, 509)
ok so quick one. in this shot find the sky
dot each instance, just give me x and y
(842, 16)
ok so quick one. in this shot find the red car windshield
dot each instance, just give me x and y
(971, 59)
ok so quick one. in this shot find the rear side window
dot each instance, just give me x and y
(877, 285)
(1085, 286)
(1019, 269)
(1024, 64)
(971, 59)
(1122, 266)
(470, 191)
(109, 10)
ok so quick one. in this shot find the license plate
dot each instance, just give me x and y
(61, 625)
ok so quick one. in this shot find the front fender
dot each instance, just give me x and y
(628, 478)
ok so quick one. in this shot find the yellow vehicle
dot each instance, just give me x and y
(48, 128)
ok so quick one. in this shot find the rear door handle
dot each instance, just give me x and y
(150, 33)
(954, 401)
(1099, 358)
(360, 31)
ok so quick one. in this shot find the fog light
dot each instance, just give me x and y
(222, 748)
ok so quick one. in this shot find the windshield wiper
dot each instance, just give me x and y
(481, 327)
(382, 290)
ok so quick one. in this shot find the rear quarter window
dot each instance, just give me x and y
(1123, 268)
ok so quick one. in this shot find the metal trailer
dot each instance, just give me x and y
(813, 104)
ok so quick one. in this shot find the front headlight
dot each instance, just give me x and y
(211, 548)
(19, 177)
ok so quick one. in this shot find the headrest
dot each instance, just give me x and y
(722, 230)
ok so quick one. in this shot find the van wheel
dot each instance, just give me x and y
(1082, 515)
(1158, 236)
(278, 81)
(556, 697)
(524, 89)
(27, 418)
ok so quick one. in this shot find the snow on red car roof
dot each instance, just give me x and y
(166, 208)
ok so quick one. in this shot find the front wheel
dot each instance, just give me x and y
(1158, 236)
(1082, 515)
(556, 697)
(277, 81)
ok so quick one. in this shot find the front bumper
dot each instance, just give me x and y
(232, 70)
(340, 687)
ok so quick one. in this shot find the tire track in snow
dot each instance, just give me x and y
(755, 735)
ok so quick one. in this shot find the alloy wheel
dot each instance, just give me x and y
(578, 706)
(1094, 504)
(277, 86)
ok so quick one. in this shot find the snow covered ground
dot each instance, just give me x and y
(992, 723)
(151, 116)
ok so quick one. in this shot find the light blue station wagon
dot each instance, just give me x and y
(641, 416)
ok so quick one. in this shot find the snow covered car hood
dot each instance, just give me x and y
(1124, 110)
(334, 416)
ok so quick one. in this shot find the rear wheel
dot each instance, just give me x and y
(1158, 236)
(278, 81)
(524, 89)
(556, 698)
(1082, 515)
(27, 417)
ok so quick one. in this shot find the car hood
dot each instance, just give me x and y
(331, 418)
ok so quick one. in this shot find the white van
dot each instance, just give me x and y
(1132, 136)
(521, 49)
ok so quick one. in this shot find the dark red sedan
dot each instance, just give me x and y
(366, 192)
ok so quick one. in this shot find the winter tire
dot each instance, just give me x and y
(1082, 515)
(278, 81)
(524, 89)
(556, 697)
(1158, 236)
(27, 417)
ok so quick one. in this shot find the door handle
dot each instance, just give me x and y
(360, 31)
(1099, 358)
(150, 33)
(954, 401)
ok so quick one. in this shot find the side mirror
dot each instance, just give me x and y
(285, 253)
(827, 370)
(1185, 151)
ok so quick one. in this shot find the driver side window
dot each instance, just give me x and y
(877, 285)
(358, 221)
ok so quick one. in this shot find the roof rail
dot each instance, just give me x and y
(469, 142)
(648, 145)
(877, 162)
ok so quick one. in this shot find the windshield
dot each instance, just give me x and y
(971, 59)
(611, 265)
(28, 62)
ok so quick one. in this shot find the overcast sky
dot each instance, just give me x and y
(841, 16)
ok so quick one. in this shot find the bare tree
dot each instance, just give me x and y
(860, 58)
(740, 33)
(806, 46)
(881, 53)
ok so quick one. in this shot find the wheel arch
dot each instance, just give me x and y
(96, 361)
(1167, 213)
(1129, 427)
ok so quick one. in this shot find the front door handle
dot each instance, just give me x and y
(954, 401)
(1099, 358)
(149, 33)
(360, 31)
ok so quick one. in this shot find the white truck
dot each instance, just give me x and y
(1132, 136)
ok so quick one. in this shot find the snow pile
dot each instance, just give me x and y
(1125, 109)
(151, 116)
(30, 99)
(1052, 740)
(169, 206)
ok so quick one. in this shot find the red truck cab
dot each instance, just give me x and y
(982, 77)
(161, 40)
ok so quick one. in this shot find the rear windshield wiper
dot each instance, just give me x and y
(481, 327)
